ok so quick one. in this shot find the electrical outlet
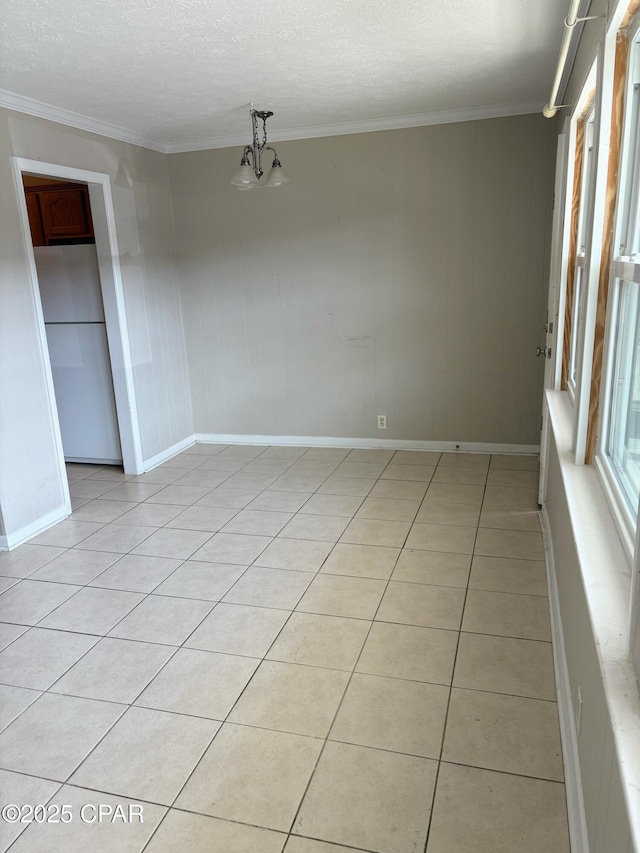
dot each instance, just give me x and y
(578, 711)
(382, 421)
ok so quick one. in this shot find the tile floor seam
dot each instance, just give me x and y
(147, 596)
(316, 573)
(330, 844)
(37, 624)
(419, 755)
(129, 704)
(453, 673)
(107, 634)
(227, 820)
(90, 584)
(44, 533)
(49, 799)
(71, 666)
(95, 747)
(326, 739)
(223, 722)
(504, 772)
(81, 762)
(504, 693)
(286, 622)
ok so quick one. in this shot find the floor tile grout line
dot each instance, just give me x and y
(329, 844)
(446, 715)
(20, 713)
(119, 556)
(335, 716)
(46, 689)
(286, 622)
(249, 681)
(462, 687)
(49, 799)
(86, 586)
(128, 640)
(528, 639)
(91, 584)
(316, 573)
(240, 695)
(505, 772)
(100, 739)
(118, 719)
(108, 635)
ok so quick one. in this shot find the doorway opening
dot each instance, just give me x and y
(100, 306)
(71, 297)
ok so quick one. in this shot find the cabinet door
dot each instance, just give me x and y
(35, 222)
(65, 214)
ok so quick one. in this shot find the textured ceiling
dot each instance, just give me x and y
(182, 72)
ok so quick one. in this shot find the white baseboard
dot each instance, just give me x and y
(366, 443)
(12, 540)
(572, 775)
(169, 453)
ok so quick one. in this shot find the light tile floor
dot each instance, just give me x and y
(305, 650)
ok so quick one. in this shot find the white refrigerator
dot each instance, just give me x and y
(76, 333)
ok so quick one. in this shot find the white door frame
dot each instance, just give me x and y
(104, 225)
(556, 294)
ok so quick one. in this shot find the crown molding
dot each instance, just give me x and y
(31, 107)
(362, 126)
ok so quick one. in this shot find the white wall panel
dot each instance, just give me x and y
(30, 485)
(400, 273)
(588, 658)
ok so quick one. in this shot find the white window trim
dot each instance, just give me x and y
(606, 582)
(626, 268)
(577, 324)
(605, 64)
(581, 273)
(630, 218)
(623, 269)
(583, 227)
(569, 152)
(623, 518)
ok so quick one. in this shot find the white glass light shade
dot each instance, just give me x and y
(244, 178)
(277, 176)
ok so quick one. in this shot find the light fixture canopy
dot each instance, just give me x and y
(250, 170)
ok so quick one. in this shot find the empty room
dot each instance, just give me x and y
(320, 427)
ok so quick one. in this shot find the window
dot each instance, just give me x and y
(621, 422)
(623, 446)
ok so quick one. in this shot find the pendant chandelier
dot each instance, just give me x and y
(250, 170)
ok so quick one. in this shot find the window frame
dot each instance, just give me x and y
(584, 230)
(585, 104)
(622, 268)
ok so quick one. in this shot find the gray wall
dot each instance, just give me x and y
(401, 273)
(29, 480)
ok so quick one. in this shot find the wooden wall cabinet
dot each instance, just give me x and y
(59, 214)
